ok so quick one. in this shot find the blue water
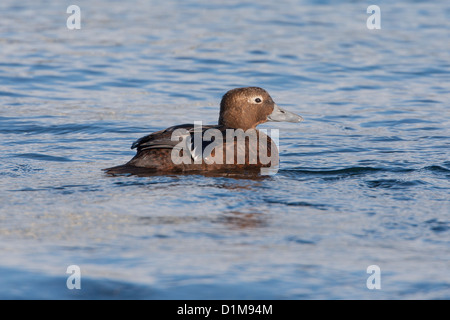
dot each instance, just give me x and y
(364, 180)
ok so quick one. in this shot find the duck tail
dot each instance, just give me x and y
(127, 169)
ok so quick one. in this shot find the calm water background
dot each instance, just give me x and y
(364, 180)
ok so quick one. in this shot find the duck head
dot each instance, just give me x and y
(245, 108)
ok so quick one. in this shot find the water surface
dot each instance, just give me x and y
(364, 180)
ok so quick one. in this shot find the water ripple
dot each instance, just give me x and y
(41, 157)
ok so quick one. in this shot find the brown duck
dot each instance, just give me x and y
(234, 144)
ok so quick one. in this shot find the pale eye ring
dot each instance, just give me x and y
(258, 100)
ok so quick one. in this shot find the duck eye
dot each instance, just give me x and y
(258, 100)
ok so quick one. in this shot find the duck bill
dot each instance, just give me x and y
(280, 115)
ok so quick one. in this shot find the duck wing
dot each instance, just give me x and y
(163, 139)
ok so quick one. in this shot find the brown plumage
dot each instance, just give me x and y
(238, 110)
(241, 108)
